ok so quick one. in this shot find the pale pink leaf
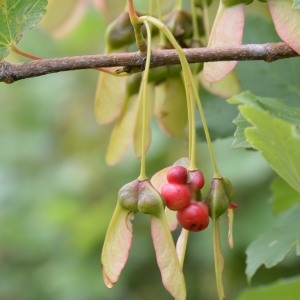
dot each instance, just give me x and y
(227, 31)
(167, 259)
(286, 21)
(181, 245)
(116, 246)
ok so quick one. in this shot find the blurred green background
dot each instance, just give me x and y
(57, 194)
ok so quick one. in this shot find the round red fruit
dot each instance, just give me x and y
(196, 180)
(177, 174)
(176, 196)
(195, 217)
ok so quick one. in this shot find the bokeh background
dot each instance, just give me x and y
(57, 194)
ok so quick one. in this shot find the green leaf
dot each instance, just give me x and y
(283, 195)
(117, 244)
(296, 4)
(273, 106)
(288, 289)
(272, 246)
(16, 17)
(167, 259)
(277, 140)
(240, 140)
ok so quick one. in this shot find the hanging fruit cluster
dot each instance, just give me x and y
(170, 93)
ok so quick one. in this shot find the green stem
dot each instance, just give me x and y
(143, 98)
(140, 41)
(194, 20)
(188, 77)
(218, 257)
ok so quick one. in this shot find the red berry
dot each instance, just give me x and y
(196, 180)
(194, 217)
(176, 196)
(177, 174)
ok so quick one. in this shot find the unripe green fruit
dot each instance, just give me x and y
(217, 199)
(236, 2)
(128, 196)
(149, 200)
(120, 32)
(180, 24)
(228, 189)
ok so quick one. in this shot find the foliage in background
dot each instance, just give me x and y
(57, 194)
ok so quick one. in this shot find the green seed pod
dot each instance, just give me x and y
(133, 83)
(128, 196)
(180, 24)
(149, 200)
(217, 199)
(120, 32)
(158, 75)
(228, 189)
(235, 2)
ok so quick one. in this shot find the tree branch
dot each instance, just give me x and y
(10, 73)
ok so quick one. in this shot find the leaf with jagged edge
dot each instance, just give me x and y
(227, 31)
(116, 245)
(17, 17)
(272, 246)
(286, 21)
(122, 134)
(170, 106)
(277, 140)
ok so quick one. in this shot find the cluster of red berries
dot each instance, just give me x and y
(180, 194)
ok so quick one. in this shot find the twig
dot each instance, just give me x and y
(269, 52)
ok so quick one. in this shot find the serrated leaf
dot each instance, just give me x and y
(277, 140)
(142, 120)
(17, 17)
(227, 31)
(288, 289)
(166, 256)
(110, 95)
(240, 140)
(273, 106)
(272, 246)
(170, 106)
(116, 245)
(286, 21)
(122, 134)
(283, 195)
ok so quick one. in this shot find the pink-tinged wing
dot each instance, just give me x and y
(167, 259)
(227, 31)
(287, 22)
(116, 246)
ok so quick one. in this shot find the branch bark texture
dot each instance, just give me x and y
(269, 52)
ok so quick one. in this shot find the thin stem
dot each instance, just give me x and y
(23, 53)
(140, 41)
(144, 82)
(194, 20)
(218, 257)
